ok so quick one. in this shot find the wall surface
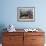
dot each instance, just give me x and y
(9, 13)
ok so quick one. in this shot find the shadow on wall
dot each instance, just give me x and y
(2, 26)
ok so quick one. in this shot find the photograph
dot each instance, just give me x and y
(26, 14)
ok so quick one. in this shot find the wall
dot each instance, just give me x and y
(9, 13)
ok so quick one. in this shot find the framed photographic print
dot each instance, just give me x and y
(26, 14)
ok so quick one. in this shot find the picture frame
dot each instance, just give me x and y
(26, 14)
